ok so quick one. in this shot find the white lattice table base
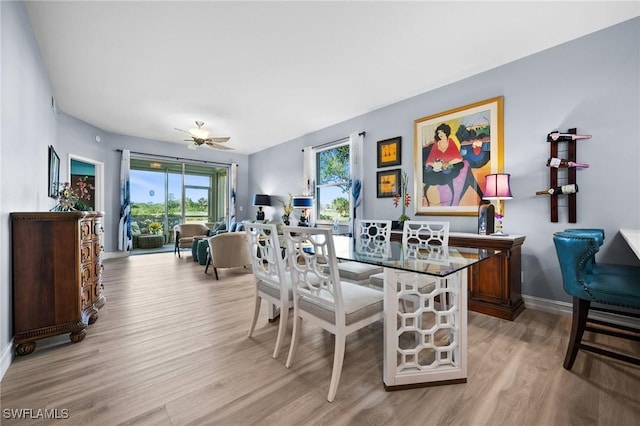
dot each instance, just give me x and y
(425, 329)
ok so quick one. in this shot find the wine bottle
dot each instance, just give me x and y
(564, 189)
(561, 137)
(562, 163)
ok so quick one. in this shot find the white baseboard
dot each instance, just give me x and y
(565, 308)
(5, 359)
(547, 305)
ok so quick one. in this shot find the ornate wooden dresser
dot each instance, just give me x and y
(57, 275)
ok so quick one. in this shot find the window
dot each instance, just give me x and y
(171, 193)
(333, 184)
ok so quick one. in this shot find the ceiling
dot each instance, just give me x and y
(267, 72)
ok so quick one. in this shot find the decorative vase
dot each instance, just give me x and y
(397, 225)
(285, 219)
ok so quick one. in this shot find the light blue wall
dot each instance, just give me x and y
(592, 83)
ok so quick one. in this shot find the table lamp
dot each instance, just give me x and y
(304, 203)
(497, 188)
(260, 200)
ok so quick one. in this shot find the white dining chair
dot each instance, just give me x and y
(272, 280)
(372, 238)
(421, 240)
(322, 298)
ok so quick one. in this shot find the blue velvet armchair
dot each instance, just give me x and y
(613, 288)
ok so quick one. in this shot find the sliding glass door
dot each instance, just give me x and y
(164, 194)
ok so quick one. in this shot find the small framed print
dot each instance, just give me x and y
(54, 172)
(388, 183)
(389, 152)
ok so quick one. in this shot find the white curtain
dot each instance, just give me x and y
(309, 179)
(356, 142)
(233, 182)
(309, 172)
(124, 227)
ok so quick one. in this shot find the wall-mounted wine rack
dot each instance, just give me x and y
(570, 152)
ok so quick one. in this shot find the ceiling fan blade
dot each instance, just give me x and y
(216, 146)
(183, 131)
(219, 139)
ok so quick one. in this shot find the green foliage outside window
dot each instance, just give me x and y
(333, 183)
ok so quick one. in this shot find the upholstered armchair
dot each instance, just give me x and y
(615, 292)
(186, 233)
(228, 250)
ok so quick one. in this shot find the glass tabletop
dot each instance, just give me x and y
(431, 260)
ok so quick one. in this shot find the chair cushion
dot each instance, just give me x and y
(273, 290)
(377, 280)
(355, 271)
(426, 284)
(619, 290)
(359, 303)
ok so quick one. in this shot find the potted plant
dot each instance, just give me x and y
(155, 228)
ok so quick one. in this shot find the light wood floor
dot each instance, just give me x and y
(170, 348)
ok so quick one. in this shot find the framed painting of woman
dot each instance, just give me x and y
(454, 150)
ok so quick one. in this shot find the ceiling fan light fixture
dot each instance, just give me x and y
(199, 132)
(199, 136)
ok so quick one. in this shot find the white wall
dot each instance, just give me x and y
(592, 83)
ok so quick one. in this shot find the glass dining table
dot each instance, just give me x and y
(425, 305)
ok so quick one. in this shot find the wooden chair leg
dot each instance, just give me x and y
(578, 324)
(206, 268)
(216, 271)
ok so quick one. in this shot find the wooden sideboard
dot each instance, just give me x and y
(494, 284)
(57, 275)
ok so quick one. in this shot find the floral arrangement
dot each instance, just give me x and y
(404, 196)
(74, 197)
(288, 208)
(155, 228)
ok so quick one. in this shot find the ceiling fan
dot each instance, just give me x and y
(200, 136)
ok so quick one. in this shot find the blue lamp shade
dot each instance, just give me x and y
(497, 187)
(302, 202)
(261, 200)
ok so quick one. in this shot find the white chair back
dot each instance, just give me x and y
(373, 238)
(265, 251)
(425, 233)
(313, 267)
